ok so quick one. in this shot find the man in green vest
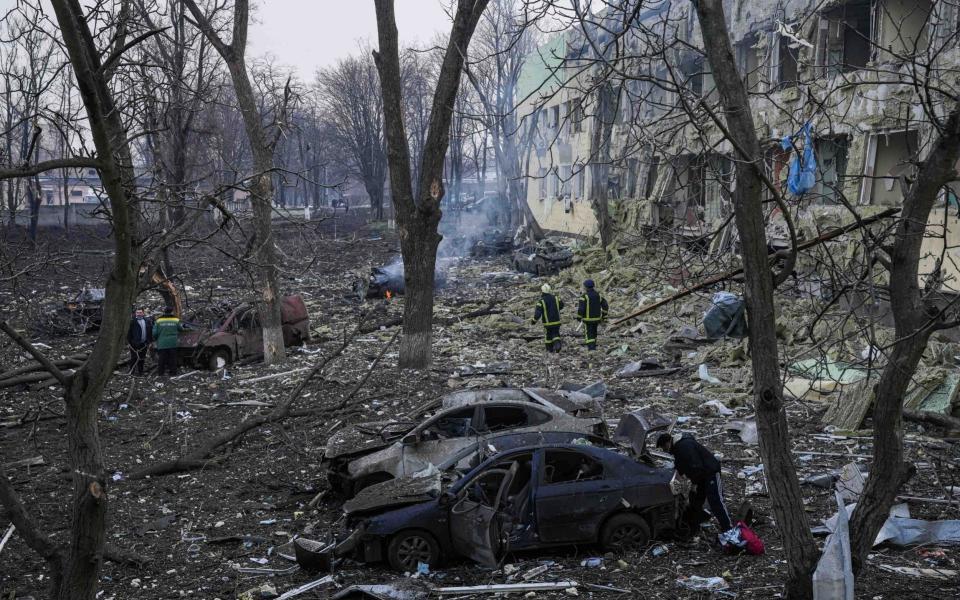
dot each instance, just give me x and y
(166, 331)
(548, 310)
(591, 310)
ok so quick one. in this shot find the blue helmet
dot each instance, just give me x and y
(588, 284)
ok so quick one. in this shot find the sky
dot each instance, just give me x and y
(308, 34)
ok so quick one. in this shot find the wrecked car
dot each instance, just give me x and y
(427, 484)
(86, 308)
(545, 258)
(491, 243)
(240, 335)
(522, 499)
(369, 453)
(387, 281)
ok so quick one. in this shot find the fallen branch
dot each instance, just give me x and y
(932, 418)
(480, 312)
(198, 457)
(31, 534)
(826, 237)
(31, 368)
(273, 376)
(36, 354)
(35, 461)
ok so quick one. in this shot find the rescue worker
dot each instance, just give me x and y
(166, 331)
(139, 337)
(695, 462)
(548, 310)
(591, 310)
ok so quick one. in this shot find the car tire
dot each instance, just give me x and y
(368, 480)
(215, 356)
(410, 547)
(623, 532)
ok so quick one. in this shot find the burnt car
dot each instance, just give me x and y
(240, 334)
(522, 499)
(86, 308)
(387, 281)
(545, 258)
(492, 243)
(369, 453)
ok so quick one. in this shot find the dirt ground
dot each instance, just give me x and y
(259, 488)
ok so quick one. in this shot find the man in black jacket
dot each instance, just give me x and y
(692, 460)
(592, 310)
(139, 337)
(548, 310)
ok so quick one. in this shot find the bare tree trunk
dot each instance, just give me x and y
(799, 546)
(914, 322)
(418, 217)
(261, 190)
(600, 165)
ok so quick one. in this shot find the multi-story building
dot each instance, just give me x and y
(866, 74)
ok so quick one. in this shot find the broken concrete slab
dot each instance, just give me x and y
(850, 483)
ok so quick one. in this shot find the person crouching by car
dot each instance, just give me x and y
(695, 462)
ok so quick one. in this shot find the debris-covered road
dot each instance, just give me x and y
(220, 530)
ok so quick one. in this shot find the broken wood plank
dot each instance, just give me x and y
(6, 536)
(35, 461)
(274, 376)
(505, 588)
(932, 418)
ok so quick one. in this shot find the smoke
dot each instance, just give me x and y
(467, 221)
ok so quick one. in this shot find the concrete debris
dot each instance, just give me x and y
(850, 483)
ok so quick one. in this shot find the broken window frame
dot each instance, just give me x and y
(829, 18)
(868, 172)
(824, 195)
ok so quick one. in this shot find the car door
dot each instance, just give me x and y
(574, 493)
(474, 526)
(250, 334)
(438, 438)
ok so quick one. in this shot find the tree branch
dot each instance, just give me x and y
(43, 360)
(49, 165)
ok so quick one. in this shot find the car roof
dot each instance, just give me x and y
(518, 403)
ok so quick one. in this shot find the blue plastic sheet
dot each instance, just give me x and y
(803, 168)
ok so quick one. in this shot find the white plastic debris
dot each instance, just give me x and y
(715, 407)
(833, 578)
(705, 376)
(703, 584)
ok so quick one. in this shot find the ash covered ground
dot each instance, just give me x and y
(195, 528)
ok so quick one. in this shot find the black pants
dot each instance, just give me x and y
(138, 358)
(167, 361)
(551, 337)
(711, 491)
(590, 334)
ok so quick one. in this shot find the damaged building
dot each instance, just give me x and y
(619, 116)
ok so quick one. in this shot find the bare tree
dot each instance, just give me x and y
(419, 215)
(75, 571)
(503, 43)
(351, 102)
(262, 146)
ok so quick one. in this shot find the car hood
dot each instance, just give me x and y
(395, 493)
(364, 438)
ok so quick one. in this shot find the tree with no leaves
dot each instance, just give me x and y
(262, 145)
(419, 215)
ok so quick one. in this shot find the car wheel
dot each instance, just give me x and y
(625, 531)
(217, 355)
(367, 481)
(409, 548)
